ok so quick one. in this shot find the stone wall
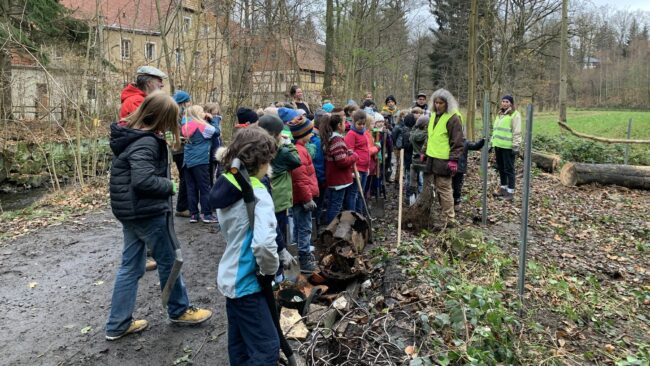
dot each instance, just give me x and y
(24, 165)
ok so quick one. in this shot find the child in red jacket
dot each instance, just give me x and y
(357, 141)
(305, 190)
(339, 166)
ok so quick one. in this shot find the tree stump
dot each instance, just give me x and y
(421, 214)
(630, 176)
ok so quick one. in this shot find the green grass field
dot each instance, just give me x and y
(548, 136)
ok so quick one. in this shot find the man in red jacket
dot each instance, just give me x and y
(148, 79)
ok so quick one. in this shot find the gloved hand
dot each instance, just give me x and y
(286, 259)
(423, 157)
(453, 166)
(309, 206)
(174, 188)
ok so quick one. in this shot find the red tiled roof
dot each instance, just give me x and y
(139, 15)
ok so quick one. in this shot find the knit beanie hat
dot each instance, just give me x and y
(328, 107)
(422, 121)
(508, 98)
(389, 98)
(409, 120)
(246, 115)
(181, 96)
(287, 114)
(272, 123)
(301, 128)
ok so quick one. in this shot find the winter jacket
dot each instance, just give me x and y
(305, 107)
(319, 157)
(424, 107)
(418, 140)
(247, 251)
(398, 135)
(131, 98)
(356, 141)
(216, 137)
(139, 187)
(339, 161)
(454, 131)
(286, 159)
(468, 145)
(198, 140)
(303, 178)
(373, 150)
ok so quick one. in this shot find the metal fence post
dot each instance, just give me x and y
(627, 146)
(484, 154)
(525, 198)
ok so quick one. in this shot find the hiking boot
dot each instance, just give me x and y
(457, 206)
(135, 327)
(151, 264)
(500, 192)
(185, 213)
(307, 264)
(193, 315)
(209, 219)
(508, 196)
(194, 218)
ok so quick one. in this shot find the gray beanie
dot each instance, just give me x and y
(272, 124)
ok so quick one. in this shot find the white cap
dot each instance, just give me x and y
(150, 70)
(379, 117)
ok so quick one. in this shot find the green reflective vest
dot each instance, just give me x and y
(502, 132)
(438, 140)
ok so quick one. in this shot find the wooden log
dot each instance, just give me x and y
(547, 162)
(630, 176)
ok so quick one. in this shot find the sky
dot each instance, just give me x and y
(625, 4)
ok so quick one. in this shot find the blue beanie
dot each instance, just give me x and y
(181, 96)
(328, 107)
(287, 114)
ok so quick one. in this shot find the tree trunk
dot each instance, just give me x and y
(472, 70)
(564, 62)
(329, 50)
(420, 215)
(547, 162)
(629, 176)
(5, 85)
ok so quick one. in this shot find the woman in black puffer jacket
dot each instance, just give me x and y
(140, 189)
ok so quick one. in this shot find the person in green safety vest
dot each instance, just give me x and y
(444, 148)
(506, 140)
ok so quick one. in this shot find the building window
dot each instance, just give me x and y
(126, 49)
(313, 76)
(187, 24)
(281, 77)
(197, 60)
(150, 51)
(205, 30)
(179, 56)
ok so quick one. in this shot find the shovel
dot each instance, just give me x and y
(365, 205)
(176, 245)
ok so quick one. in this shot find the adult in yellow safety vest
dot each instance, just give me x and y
(443, 149)
(506, 140)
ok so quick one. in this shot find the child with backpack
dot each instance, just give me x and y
(198, 136)
(305, 191)
(250, 260)
(339, 166)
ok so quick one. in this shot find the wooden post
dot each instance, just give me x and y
(629, 133)
(401, 194)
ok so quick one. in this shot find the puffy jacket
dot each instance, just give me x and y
(131, 98)
(216, 137)
(356, 141)
(338, 162)
(198, 139)
(319, 157)
(303, 178)
(247, 251)
(286, 159)
(139, 187)
(418, 139)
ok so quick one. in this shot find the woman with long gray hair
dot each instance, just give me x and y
(444, 148)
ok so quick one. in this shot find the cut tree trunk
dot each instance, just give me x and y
(629, 176)
(420, 215)
(547, 162)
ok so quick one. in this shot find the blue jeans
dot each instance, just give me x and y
(363, 176)
(302, 229)
(197, 179)
(343, 198)
(138, 235)
(252, 337)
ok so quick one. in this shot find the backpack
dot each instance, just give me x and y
(403, 140)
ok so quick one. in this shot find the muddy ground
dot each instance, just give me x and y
(55, 291)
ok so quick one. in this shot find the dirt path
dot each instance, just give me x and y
(55, 291)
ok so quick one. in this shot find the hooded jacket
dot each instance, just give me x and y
(131, 98)
(286, 159)
(303, 178)
(247, 251)
(356, 140)
(139, 187)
